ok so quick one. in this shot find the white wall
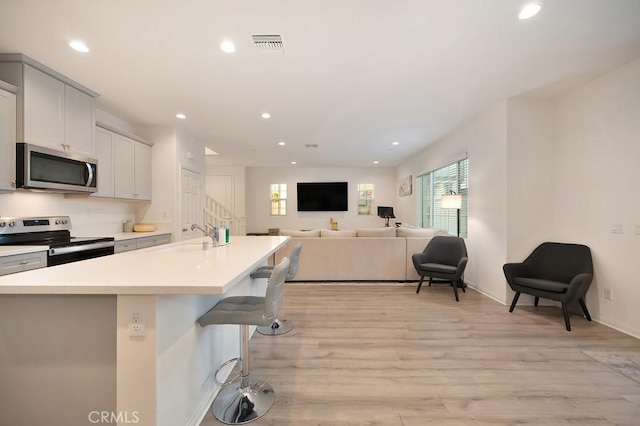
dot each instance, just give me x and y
(258, 200)
(174, 148)
(484, 139)
(597, 152)
(530, 175)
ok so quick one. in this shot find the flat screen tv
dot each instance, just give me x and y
(322, 197)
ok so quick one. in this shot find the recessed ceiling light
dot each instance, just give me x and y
(376, 162)
(281, 143)
(293, 162)
(395, 143)
(181, 116)
(79, 46)
(530, 10)
(266, 115)
(227, 46)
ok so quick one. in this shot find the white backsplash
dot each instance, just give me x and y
(88, 216)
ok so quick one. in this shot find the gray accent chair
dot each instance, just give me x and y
(244, 401)
(279, 327)
(557, 271)
(444, 258)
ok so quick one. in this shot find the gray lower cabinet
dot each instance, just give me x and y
(140, 243)
(124, 245)
(153, 241)
(22, 262)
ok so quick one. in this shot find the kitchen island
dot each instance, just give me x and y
(70, 355)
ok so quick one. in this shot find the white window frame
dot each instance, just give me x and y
(278, 195)
(365, 194)
(431, 186)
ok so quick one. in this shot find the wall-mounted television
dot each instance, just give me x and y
(322, 197)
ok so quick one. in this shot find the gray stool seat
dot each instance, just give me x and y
(278, 327)
(247, 400)
(238, 310)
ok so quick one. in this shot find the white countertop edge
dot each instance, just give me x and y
(49, 280)
(14, 250)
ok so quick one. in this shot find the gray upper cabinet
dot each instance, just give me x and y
(7, 137)
(124, 166)
(52, 110)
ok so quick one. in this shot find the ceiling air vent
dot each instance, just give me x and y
(268, 43)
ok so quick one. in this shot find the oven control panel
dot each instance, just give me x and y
(17, 225)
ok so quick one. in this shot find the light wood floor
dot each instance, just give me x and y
(381, 354)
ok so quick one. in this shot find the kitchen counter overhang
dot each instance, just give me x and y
(178, 268)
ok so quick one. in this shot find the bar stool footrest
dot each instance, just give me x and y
(223, 365)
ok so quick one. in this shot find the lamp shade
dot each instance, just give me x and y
(452, 201)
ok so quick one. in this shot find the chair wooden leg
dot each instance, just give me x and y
(455, 290)
(463, 286)
(430, 279)
(515, 300)
(419, 284)
(565, 312)
(536, 300)
(584, 309)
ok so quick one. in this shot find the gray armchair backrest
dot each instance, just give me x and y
(274, 295)
(295, 257)
(445, 250)
(559, 261)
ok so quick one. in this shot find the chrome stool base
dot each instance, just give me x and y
(235, 405)
(276, 328)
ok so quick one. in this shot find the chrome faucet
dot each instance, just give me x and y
(213, 236)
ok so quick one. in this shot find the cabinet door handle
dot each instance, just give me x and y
(24, 262)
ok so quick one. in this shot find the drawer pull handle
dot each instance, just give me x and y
(24, 262)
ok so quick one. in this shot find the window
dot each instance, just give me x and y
(365, 198)
(278, 199)
(430, 188)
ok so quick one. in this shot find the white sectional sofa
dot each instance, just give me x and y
(367, 254)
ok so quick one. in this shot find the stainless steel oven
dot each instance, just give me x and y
(54, 232)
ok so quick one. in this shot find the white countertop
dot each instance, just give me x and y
(11, 250)
(176, 268)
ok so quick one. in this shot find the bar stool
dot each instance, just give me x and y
(278, 327)
(244, 401)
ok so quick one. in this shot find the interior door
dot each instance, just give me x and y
(190, 203)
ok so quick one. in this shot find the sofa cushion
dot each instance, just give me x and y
(330, 233)
(376, 232)
(294, 233)
(419, 232)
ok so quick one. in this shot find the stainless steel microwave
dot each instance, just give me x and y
(46, 169)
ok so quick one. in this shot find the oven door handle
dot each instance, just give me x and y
(82, 247)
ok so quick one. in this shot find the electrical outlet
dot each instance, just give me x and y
(608, 293)
(617, 228)
(136, 324)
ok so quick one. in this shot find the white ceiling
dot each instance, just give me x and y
(356, 75)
